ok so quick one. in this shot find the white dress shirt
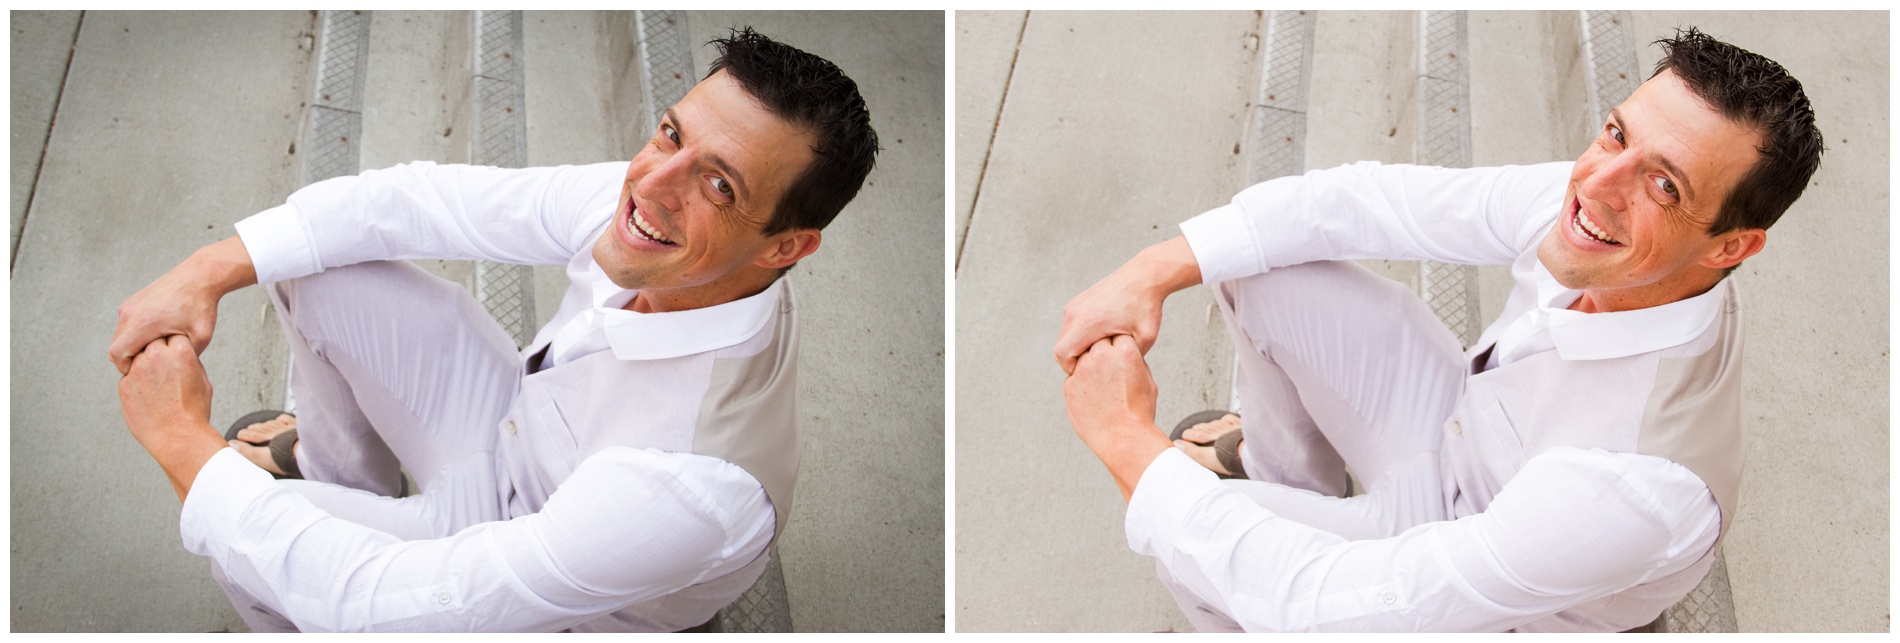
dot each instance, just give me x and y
(1573, 528)
(624, 530)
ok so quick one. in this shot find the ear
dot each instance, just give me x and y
(1734, 246)
(790, 246)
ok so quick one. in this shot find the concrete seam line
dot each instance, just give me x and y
(989, 146)
(1444, 139)
(39, 169)
(500, 139)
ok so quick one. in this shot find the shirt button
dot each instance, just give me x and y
(444, 598)
(1389, 598)
(1456, 429)
(510, 426)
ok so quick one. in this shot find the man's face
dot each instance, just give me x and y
(697, 197)
(1641, 198)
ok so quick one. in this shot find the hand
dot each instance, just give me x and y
(1126, 302)
(182, 302)
(1111, 399)
(166, 398)
(1111, 387)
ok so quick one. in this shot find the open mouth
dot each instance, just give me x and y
(641, 228)
(1588, 229)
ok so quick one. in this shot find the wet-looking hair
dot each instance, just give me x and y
(811, 93)
(1756, 92)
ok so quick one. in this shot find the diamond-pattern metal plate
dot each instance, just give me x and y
(762, 608)
(1708, 608)
(666, 62)
(1609, 50)
(501, 140)
(666, 74)
(1278, 137)
(341, 62)
(334, 126)
(1444, 139)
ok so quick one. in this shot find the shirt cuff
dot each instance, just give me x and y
(1222, 245)
(225, 487)
(279, 244)
(1168, 491)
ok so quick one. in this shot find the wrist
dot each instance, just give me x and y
(222, 267)
(1126, 448)
(182, 454)
(1167, 267)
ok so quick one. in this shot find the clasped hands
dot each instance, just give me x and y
(1106, 330)
(164, 391)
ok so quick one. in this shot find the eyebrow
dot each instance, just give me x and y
(1688, 192)
(738, 180)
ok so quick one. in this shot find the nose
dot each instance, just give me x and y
(1612, 180)
(666, 181)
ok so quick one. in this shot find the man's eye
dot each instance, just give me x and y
(670, 134)
(722, 186)
(1668, 186)
(1616, 133)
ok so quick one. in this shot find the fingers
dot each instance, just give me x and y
(1071, 343)
(122, 351)
(165, 347)
(1111, 346)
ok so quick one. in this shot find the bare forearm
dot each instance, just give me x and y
(183, 451)
(223, 267)
(1127, 451)
(1166, 268)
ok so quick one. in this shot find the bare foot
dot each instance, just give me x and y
(262, 433)
(1198, 441)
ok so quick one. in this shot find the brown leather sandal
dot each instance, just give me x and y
(1226, 447)
(282, 448)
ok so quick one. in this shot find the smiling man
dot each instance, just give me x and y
(629, 470)
(1572, 471)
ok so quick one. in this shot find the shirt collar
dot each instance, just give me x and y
(645, 336)
(1580, 336)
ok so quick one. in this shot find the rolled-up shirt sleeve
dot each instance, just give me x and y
(422, 210)
(1367, 210)
(1573, 526)
(628, 525)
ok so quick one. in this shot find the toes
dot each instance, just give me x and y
(259, 456)
(264, 431)
(1206, 432)
(1203, 456)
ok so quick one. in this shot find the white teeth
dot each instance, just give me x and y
(640, 224)
(1584, 226)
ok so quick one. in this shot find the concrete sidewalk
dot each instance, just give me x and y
(165, 128)
(1083, 137)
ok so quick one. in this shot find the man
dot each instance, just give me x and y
(1573, 471)
(627, 471)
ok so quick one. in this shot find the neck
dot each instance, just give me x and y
(1666, 291)
(735, 286)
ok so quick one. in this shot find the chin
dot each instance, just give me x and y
(1550, 252)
